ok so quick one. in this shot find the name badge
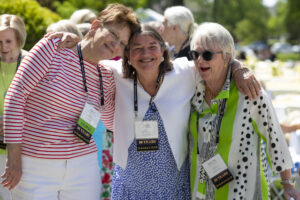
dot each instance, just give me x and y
(87, 123)
(217, 171)
(146, 134)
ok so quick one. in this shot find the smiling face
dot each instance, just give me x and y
(145, 54)
(108, 41)
(214, 70)
(8, 45)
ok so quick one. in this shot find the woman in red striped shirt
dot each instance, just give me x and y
(50, 156)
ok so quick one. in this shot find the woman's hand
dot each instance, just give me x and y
(68, 40)
(13, 170)
(245, 81)
(286, 128)
(289, 192)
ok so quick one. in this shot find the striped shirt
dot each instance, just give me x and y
(45, 100)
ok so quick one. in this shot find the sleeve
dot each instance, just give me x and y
(33, 68)
(265, 122)
(184, 64)
(109, 96)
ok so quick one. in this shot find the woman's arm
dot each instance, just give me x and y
(13, 170)
(265, 120)
(288, 187)
(286, 128)
(245, 80)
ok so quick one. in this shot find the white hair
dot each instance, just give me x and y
(64, 26)
(83, 16)
(181, 16)
(84, 28)
(210, 35)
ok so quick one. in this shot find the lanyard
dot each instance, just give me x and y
(220, 117)
(135, 96)
(84, 78)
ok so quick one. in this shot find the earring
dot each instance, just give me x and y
(129, 62)
(162, 59)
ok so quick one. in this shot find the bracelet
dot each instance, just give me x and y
(287, 181)
(237, 69)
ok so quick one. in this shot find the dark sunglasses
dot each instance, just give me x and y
(206, 55)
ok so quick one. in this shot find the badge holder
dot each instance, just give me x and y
(146, 134)
(87, 123)
(217, 171)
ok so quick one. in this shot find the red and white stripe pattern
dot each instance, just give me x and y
(45, 100)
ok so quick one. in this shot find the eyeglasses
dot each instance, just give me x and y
(206, 55)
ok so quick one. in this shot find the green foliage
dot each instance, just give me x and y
(35, 17)
(67, 7)
(288, 56)
(276, 23)
(243, 29)
(246, 20)
(292, 19)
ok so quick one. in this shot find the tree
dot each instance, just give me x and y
(246, 20)
(67, 7)
(292, 19)
(276, 23)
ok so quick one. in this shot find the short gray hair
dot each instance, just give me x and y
(64, 26)
(83, 16)
(181, 16)
(211, 34)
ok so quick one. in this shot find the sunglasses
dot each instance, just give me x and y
(206, 55)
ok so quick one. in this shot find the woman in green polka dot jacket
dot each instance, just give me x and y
(231, 136)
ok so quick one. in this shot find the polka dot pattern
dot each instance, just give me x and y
(255, 134)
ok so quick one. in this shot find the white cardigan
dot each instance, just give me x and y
(172, 101)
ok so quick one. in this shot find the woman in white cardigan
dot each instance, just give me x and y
(151, 156)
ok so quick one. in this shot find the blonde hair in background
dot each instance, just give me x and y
(211, 34)
(17, 25)
(83, 16)
(183, 17)
(64, 26)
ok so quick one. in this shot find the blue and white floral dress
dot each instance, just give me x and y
(152, 174)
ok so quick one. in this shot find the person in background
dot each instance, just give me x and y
(83, 16)
(84, 28)
(65, 26)
(231, 135)
(83, 19)
(12, 40)
(52, 108)
(178, 27)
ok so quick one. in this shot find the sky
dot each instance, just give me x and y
(269, 3)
